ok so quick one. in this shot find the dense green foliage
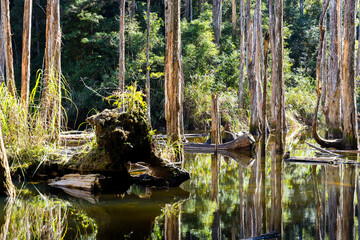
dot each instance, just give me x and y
(90, 56)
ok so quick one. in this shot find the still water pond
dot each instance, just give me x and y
(224, 199)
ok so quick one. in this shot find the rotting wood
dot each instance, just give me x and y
(90, 182)
(243, 142)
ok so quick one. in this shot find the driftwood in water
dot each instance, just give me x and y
(244, 142)
(90, 182)
(323, 150)
(313, 160)
(81, 194)
(270, 235)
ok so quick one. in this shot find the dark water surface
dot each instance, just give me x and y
(224, 199)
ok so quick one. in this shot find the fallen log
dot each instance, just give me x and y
(323, 150)
(243, 142)
(90, 182)
(313, 160)
(270, 235)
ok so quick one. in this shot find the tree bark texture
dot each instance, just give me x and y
(51, 95)
(6, 185)
(273, 61)
(334, 77)
(172, 69)
(233, 17)
(323, 77)
(9, 62)
(242, 52)
(2, 54)
(147, 89)
(278, 82)
(122, 46)
(350, 140)
(25, 66)
(216, 17)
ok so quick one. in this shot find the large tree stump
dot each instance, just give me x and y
(124, 137)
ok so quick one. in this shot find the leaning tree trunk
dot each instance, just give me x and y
(6, 30)
(242, 53)
(122, 46)
(147, 62)
(350, 140)
(25, 66)
(334, 77)
(6, 185)
(172, 69)
(278, 82)
(216, 17)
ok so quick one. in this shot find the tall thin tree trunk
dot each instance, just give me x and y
(56, 45)
(173, 69)
(324, 79)
(217, 15)
(233, 17)
(273, 61)
(350, 139)
(301, 8)
(9, 62)
(122, 47)
(187, 10)
(2, 54)
(278, 86)
(334, 77)
(25, 68)
(147, 62)
(45, 101)
(242, 52)
(191, 10)
(201, 6)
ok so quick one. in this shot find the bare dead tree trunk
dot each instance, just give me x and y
(334, 77)
(242, 52)
(350, 140)
(217, 15)
(172, 69)
(6, 29)
(233, 17)
(147, 62)
(278, 83)
(122, 46)
(25, 66)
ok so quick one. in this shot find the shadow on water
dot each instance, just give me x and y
(235, 195)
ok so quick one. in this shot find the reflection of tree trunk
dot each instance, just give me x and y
(8, 212)
(262, 190)
(348, 217)
(358, 198)
(333, 178)
(318, 204)
(215, 172)
(250, 202)
(173, 223)
(241, 194)
(323, 203)
(276, 191)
